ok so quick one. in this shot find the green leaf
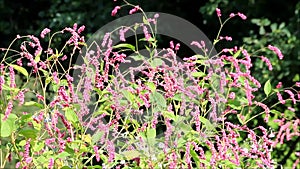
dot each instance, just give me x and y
(237, 54)
(267, 88)
(38, 57)
(63, 155)
(276, 112)
(38, 146)
(145, 21)
(29, 133)
(20, 69)
(7, 126)
(198, 74)
(169, 115)
(158, 99)
(128, 95)
(195, 157)
(156, 62)
(97, 136)
(137, 57)
(151, 133)
(262, 30)
(33, 103)
(22, 143)
(65, 167)
(124, 45)
(71, 115)
(151, 85)
(131, 154)
(206, 123)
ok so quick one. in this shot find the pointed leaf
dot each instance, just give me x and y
(125, 45)
(267, 88)
(20, 69)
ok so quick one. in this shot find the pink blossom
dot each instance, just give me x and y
(280, 98)
(135, 9)
(2, 81)
(147, 35)
(156, 15)
(241, 15)
(232, 15)
(44, 32)
(81, 29)
(267, 61)
(96, 153)
(40, 97)
(55, 78)
(51, 163)
(171, 44)
(228, 38)
(12, 77)
(266, 108)
(292, 96)
(177, 46)
(291, 109)
(21, 97)
(64, 58)
(19, 61)
(277, 51)
(122, 34)
(279, 85)
(105, 38)
(218, 12)
(231, 95)
(8, 110)
(298, 84)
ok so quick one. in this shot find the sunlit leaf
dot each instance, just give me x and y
(267, 88)
(20, 69)
(125, 45)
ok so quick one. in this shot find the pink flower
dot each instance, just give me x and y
(64, 57)
(171, 44)
(21, 97)
(231, 95)
(280, 98)
(232, 15)
(267, 61)
(177, 46)
(292, 96)
(277, 51)
(291, 109)
(134, 10)
(96, 153)
(19, 61)
(55, 78)
(228, 38)
(81, 29)
(115, 10)
(298, 84)
(218, 12)
(106, 36)
(244, 17)
(156, 16)
(1, 83)
(147, 35)
(40, 97)
(8, 110)
(51, 163)
(279, 85)
(12, 77)
(44, 32)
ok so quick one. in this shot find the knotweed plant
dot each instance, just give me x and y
(201, 111)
